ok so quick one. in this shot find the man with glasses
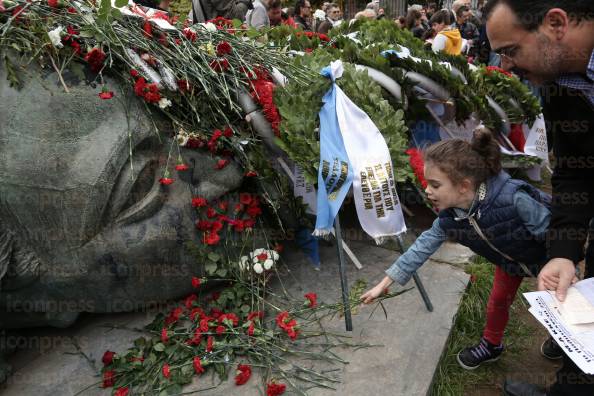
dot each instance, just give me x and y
(551, 43)
(332, 18)
(302, 14)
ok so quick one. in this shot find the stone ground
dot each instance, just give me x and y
(410, 341)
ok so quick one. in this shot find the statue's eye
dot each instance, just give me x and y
(136, 194)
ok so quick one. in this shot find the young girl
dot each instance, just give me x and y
(482, 207)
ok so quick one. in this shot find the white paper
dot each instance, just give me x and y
(575, 340)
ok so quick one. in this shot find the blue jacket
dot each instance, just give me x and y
(512, 214)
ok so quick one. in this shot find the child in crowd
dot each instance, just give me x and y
(482, 207)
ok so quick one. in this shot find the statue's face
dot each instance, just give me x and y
(106, 233)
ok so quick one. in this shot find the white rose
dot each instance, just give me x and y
(268, 264)
(55, 36)
(258, 268)
(164, 103)
(319, 15)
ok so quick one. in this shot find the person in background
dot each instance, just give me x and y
(275, 12)
(332, 15)
(431, 9)
(447, 38)
(367, 13)
(302, 14)
(468, 30)
(413, 23)
(257, 17)
(400, 22)
(287, 17)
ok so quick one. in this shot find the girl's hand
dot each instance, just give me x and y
(378, 290)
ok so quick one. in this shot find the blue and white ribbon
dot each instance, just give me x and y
(352, 150)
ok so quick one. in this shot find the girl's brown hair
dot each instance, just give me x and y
(459, 159)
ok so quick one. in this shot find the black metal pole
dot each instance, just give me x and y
(343, 278)
(417, 280)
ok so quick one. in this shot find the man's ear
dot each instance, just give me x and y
(555, 23)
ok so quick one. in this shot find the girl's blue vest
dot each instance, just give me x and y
(499, 221)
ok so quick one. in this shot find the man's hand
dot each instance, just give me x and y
(378, 290)
(558, 274)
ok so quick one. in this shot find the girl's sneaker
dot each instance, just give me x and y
(472, 357)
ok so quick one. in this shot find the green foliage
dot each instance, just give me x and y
(299, 110)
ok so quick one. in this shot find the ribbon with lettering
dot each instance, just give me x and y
(335, 174)
(368, 158)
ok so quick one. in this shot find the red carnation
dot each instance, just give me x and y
(238, 225)
(254, 315)
(164, 336)
(122, 391)
(250, 174)
(189, 301)
(203, 225)
(210, 213)
(416, 163)
(211, 238)
(228, 132)
(52, 3)
(107, 358)
(209, 343)
(219, 65)
(249, 223)
(147, 29)
(166, 181)
(108, 378)
(262, 256)
(274, 389)
(174, 315)
(133, 73)
(165, 370)
(106, 95)
(223, 48)
(244, 372)
(279, 248)
(95, 58)
(220, 330)
(216, 226)
(313, 299)
(181, 167)
(196, 282)
(221, 163)
(245, 198)
(199, 202)
(196, 339)
(204, 324)
(254, 211)
(250, 330)
(198, 365)
(190, 34)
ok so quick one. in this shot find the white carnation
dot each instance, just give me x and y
(268, 264)
(275, 255)
(55, 36)
(319, 15)
(164, 103)
(258, 268)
